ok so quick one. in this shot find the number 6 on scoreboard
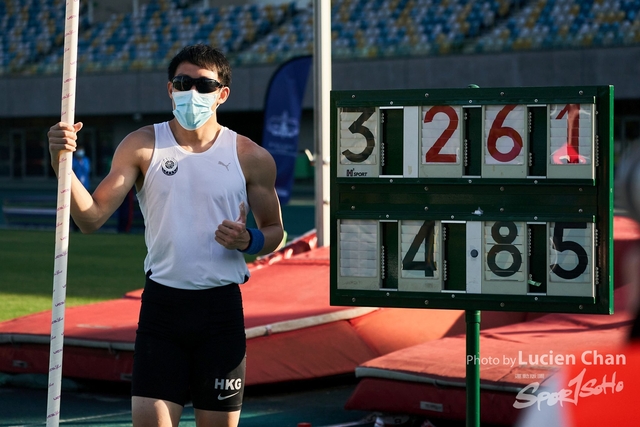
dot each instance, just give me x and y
(506, 144)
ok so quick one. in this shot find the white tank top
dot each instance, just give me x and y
(185, 196)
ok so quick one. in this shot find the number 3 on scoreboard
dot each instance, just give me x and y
(358, 146)
(358, 130)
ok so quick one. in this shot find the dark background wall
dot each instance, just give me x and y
(145, 92)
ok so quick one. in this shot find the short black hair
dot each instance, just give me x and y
(204, 56)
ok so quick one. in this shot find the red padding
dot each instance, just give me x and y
(325, 350)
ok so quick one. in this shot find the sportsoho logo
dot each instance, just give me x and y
(579, 387)
(229, 387)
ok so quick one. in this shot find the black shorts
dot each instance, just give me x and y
(191, 346)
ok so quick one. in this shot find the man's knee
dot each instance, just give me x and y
(216, 418)
(148, 412)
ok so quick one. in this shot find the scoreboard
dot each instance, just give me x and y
(474, 198)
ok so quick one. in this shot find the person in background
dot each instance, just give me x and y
(125, 213)
(196, 181)
(81, 166)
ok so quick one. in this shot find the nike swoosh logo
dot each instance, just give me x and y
(221, 397)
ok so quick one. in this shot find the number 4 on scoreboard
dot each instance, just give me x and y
(420, 256)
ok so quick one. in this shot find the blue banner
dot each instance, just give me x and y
(282, 112)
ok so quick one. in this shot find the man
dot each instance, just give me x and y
(196, 180)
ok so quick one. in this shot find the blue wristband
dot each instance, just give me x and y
(256, 241)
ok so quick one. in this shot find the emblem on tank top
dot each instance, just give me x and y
(169, 166)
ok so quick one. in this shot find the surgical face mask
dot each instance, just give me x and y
(80, 153)
(192, 108)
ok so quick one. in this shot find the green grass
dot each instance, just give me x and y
(101, 266)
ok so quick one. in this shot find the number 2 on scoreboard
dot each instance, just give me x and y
(441, 135)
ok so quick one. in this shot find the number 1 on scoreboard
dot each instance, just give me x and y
(571, 141)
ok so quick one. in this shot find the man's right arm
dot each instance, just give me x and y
(130, 160)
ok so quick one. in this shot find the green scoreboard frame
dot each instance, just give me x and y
(473, 198)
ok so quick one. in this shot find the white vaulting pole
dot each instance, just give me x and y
(322, 110)
(67, 115)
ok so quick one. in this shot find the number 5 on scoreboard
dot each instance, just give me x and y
(571, 265)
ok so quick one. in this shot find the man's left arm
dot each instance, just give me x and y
(263, 199)
(259, 170)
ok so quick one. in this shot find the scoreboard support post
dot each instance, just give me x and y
(472, 318)
(475, 199)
